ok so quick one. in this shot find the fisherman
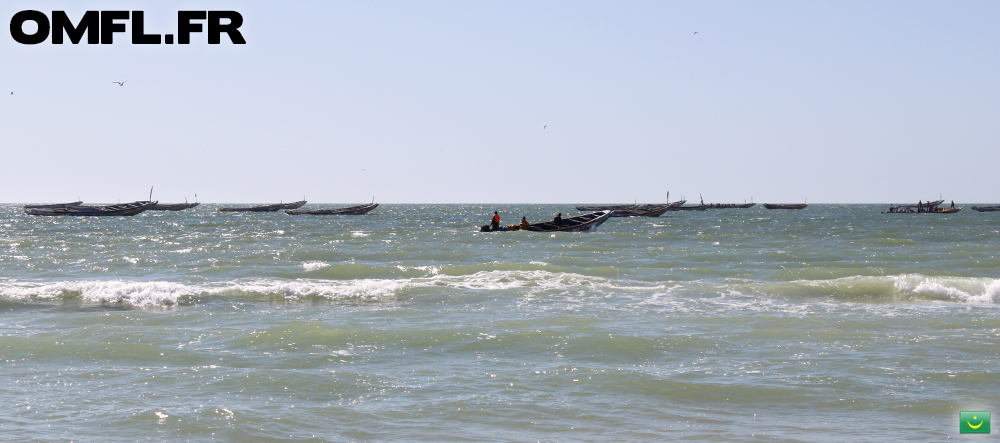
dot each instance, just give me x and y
(524, 223)
(496, 221)
(558, 219)
(953, 204)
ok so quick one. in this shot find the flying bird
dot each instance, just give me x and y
(543, 127)
(120, 83)
(695, 32)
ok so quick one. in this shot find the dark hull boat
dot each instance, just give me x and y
(785, 206)
(264, 208)
(644, 211)
(173, 206)
(54, 205)
(352, 210)
(606, 208)
(647, 210)
(731, 205)
(911, 210)
(293, 205)
(924, 208)
(585, 222)
(690, 208)
(125, 209)
(987, 208)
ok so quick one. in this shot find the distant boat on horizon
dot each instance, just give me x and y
(121, 209)
(350, 210)
(54, 205)
(785, 206)
(173, 206)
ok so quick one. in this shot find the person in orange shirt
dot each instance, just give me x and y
(496, 221)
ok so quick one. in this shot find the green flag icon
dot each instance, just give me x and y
(974, 422)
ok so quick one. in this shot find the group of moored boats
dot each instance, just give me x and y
(590, 221)
(77, 208)
(656, 210)
(583, 222)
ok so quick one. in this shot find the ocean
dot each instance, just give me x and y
(833, 323)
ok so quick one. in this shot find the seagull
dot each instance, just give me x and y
(695, 32)
(543, 127)
(120, 83)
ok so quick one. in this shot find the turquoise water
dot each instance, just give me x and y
(835, 323)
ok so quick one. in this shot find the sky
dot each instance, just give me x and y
(512, 101)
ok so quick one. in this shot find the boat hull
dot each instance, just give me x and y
(937, 211)
(119, 210)
(606, 207)
(173, 206)
(579, 223)
(784, 206)
(264, 208)
(689, 208)
(351, 210)
(986, 208)
(293, 205)
(54, 205)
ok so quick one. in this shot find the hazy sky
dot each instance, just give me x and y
(445, 102)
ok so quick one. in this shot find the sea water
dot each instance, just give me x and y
(833, 323)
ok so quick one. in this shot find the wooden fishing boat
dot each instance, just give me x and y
(263, 208)
(54, 205)
(986, 208)
(351, 210)
(123, 209)
(731, 205)
(173, 206)
(293, 205)
(785, 206)
(700, 207)
(923, 208)
(644, 211)
(585, 222)
(606, 207)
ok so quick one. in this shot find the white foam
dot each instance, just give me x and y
(160, 293)
(314, 265)
(332, 289)
(155, 293)
(528, 284)
(960, 289)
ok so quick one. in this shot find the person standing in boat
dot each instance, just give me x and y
(496, 221)
(558, 219)
(524, 223)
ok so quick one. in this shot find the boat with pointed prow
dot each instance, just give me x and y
(579, 223)
(121, 209)
(350, 210)
(923, 208)
(785, 206)
(986, 208)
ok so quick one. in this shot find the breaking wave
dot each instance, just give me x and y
(898, 288)
(532, 285)
(160, 293)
